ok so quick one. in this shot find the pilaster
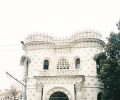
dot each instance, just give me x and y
(78, 88)
(39, 88)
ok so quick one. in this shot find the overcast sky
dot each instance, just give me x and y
(58, 17)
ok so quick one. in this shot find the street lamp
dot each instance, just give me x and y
(25, 60)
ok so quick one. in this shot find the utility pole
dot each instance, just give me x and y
(25, 62)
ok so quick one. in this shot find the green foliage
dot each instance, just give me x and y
(109, 70)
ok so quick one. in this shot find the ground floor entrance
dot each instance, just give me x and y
(58, 96)
(59, 87)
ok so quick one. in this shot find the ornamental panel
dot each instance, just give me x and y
(63, 64)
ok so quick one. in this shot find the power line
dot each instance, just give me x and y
(15, 79)
(11, 50)
(10, 47)
(9, 44)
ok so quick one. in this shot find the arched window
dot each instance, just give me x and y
(97, 60)
(46, 64)
(100, 96)
(77, 63)
(98, 65)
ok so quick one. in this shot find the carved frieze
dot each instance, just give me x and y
(60, 72)
(59, 80)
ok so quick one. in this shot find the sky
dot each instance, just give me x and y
(57, 17)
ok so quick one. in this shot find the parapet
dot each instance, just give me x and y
(39, 37)
(86, 34)
(85, 37)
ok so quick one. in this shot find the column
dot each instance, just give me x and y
(39, 88)
(78, 88)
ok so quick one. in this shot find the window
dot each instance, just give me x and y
(63, 64)
(97, 60)
(100, 96)
(98, 65)
(77, 63)
(46, 64)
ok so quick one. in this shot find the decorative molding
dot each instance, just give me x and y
(59, 80)
(79, 40)
(58, 89)
(39, 86)
(65, 48)
(59, 72)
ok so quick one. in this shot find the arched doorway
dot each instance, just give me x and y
(58, 90)
(58, 96)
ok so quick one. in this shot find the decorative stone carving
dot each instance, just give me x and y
(39, 86)
(59, 80)
(63, 64)
(58, 72)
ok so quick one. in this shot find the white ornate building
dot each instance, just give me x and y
(63, 69)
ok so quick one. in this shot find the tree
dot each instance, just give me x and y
(109, 70)
(13, 92)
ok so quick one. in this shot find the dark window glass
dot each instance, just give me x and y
(77, 63)
(46, 64)
(99, 96)
(98, 65)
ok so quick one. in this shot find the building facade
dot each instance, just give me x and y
(63, 69)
